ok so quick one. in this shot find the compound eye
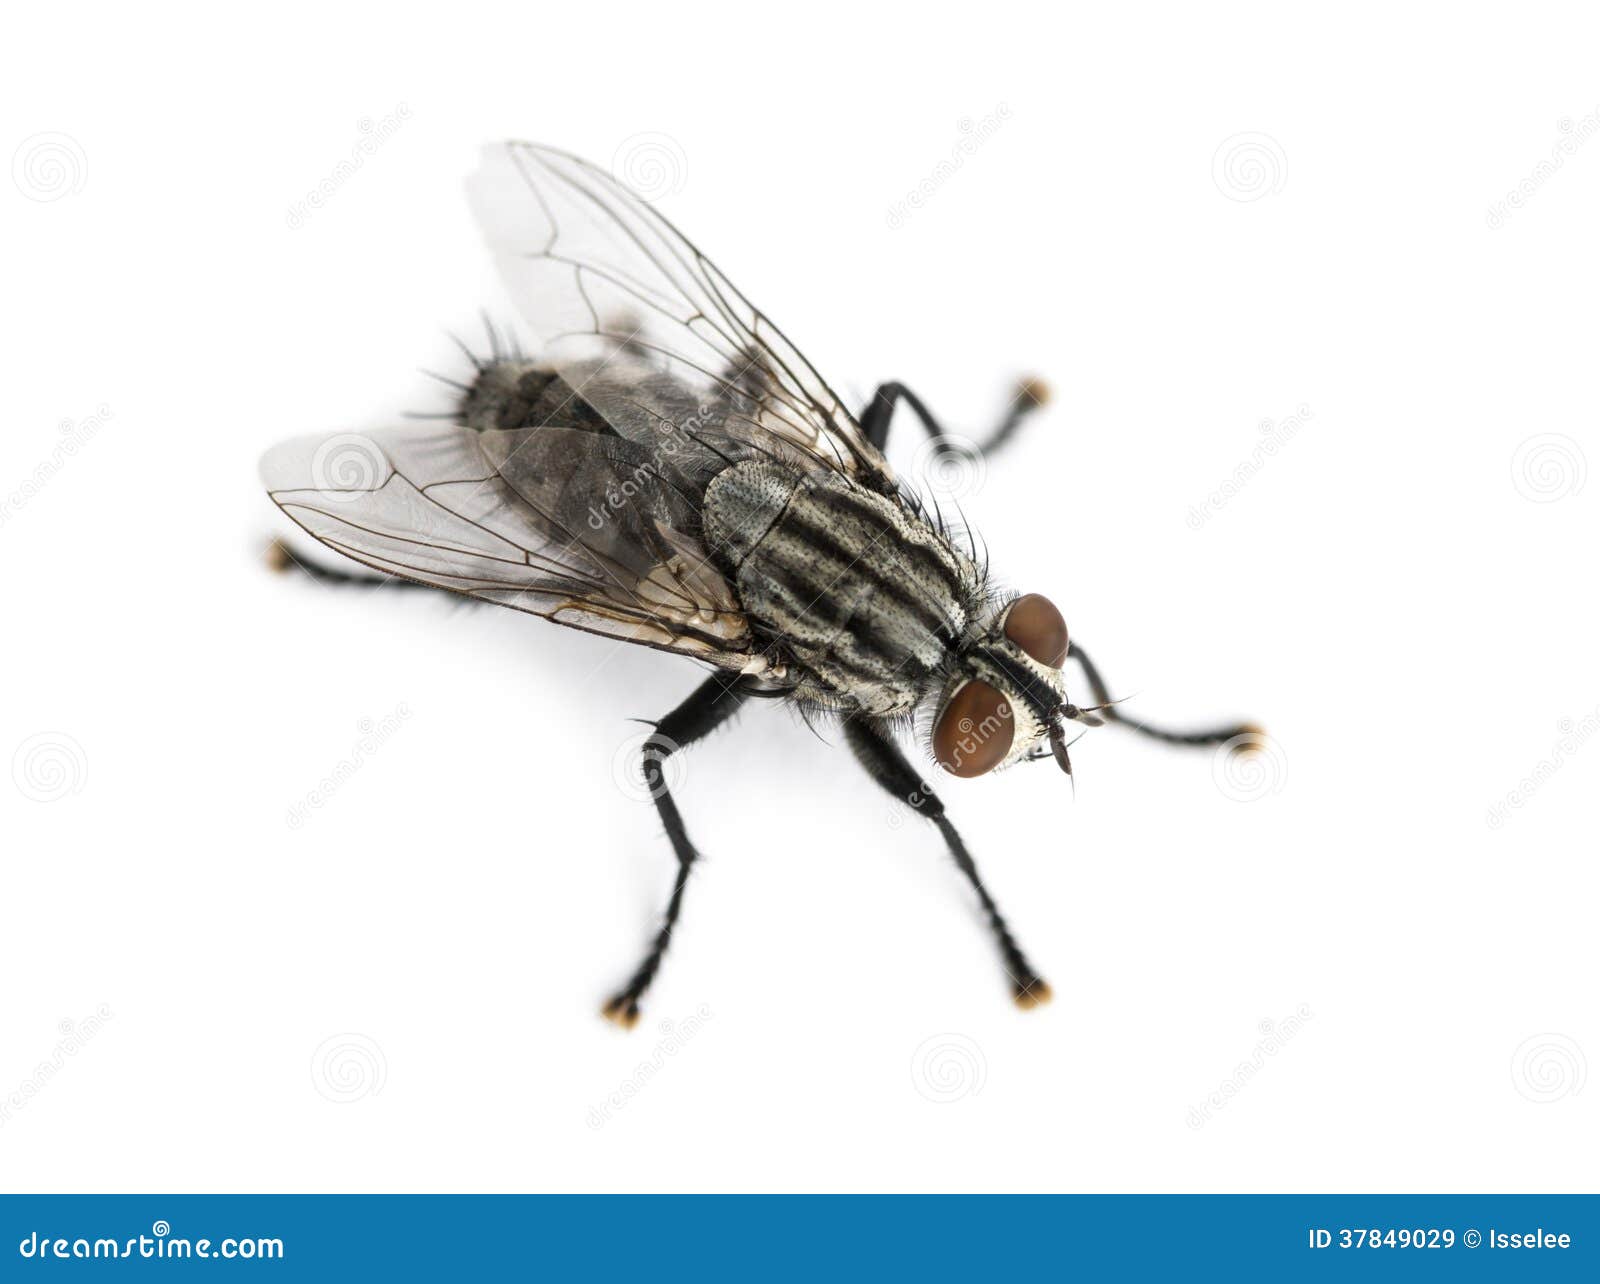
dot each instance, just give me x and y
(1035, 625)
(974, 730)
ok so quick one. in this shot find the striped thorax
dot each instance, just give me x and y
(871, 600)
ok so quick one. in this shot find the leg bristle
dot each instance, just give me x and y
(278, 556)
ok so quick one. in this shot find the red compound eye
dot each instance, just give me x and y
(974, 730)
(1035, 625)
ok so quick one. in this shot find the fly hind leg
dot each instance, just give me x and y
(283, 559)
(711, 704)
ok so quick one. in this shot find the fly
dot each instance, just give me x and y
(668, 469)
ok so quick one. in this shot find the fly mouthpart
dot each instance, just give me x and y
(1058, 740)
(1056, 727)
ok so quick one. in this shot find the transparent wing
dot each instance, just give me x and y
(520, 518)
(600, 278)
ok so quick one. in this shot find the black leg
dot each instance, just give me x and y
(280, 557)
(1112, 713)
(886, 764)
(1030, 394)
(711, 704)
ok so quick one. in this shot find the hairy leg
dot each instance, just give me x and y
(711, 704)
(1111, 713)
(886, 764)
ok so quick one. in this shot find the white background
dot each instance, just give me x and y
(1402, 591)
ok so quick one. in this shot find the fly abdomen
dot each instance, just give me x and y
(516, 393)
(867, 596)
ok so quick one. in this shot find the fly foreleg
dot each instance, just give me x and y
(1249, 736)
(886, 764)
(711, 704)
